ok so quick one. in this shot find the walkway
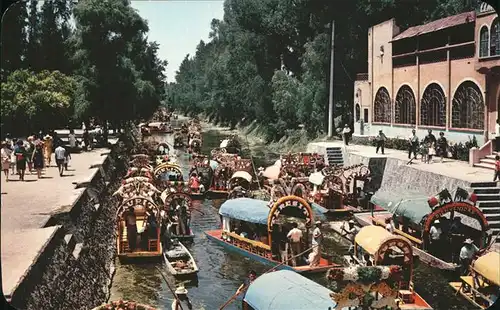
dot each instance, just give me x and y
(27, 206)
(450, 168)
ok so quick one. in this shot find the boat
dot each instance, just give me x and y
(124, 304)
(171, 199)
(152, 249)
(231, 145)
(165, 172)
(414, 214)
(285, 289)
(482, 281)
(183, 187)
(159, 127)
(264, 216)
(240, 178)
(179, 260)
(179, 138)
(386, 249)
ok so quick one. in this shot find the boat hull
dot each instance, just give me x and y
(139, 257)
(173, 271)
(217, 193)
(214, 235)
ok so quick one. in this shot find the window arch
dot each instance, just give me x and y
(358, 112)
(495, 38)
(484, 41)
(433, 106)
(405, 106)
(467, 107)
(382, 106)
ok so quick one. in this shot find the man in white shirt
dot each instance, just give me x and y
(295, 237)
(467, 253)
(317, 240)
(72, 139)
(497, 136)
(60, 153)
(345, 134)
(388, 225)
(435, 237)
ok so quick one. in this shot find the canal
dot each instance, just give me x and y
(222, 272)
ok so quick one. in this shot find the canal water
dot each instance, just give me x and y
(222, 272)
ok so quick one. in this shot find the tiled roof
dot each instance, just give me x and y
(436, 25)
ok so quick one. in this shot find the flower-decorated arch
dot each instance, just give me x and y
(139, 203)
(170, 198)
(289, 202)
(167, 168)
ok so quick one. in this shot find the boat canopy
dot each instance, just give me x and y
(316, 178)
(224, 143)
(246, 209)
(371, 238)
(242, 174)
(411, 205)
(214, 164)
(487, 266)
(286, 289)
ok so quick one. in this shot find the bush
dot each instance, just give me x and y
(459, 151)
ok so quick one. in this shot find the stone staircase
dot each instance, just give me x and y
(488, 162)
(334, 156)
(488, 201)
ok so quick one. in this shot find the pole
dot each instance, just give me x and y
(332, 62)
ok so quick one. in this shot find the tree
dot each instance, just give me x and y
(13, 38)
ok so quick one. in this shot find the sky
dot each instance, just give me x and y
(178, 26)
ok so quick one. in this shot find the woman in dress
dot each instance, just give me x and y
(37, 158)
(21, 159)
(30, 148)
(48, 143)
(6, 153)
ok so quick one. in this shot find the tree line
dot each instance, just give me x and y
(268, 60)
(66, 62)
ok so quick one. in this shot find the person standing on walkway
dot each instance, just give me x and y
(12, 147)
(380, 140)
(496, 178)
(67, 157)
(47, 152)
(413, 140)
(30, 148)
(346, 133)
(430, 142)
(60, 153)
(37, 159)
(6, 153)
(442, 146)
(72, 139)
(21, 158)
(497, 136)
(295, 237)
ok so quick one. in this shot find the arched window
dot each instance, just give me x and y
(433, 106)
(484, 38)
(468, 107)
(405, 106)
(495, 38)
(358, 112)
(382, 106)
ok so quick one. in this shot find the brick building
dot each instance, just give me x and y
(444, 75)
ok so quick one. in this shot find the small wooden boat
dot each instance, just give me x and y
(179, 260)
(480, 287)
(124, 304)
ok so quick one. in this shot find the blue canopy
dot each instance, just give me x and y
(286, 289)
(412, 205)
(213, 164)
(319, 211)
(246, 209)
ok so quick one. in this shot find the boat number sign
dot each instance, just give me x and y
(167, 169)
(291, 203)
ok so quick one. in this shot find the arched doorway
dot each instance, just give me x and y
(468, 107)
(357, 112)
(405, 106)
(382, 106)
(433, 106)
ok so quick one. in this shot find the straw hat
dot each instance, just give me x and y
(437, 222)
(468, 241)
(317, 222)
(181, 291)
(351, 222)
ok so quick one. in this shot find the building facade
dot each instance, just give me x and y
(444, 76)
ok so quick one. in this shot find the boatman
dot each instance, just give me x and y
(317, 240)
(182, 299)
(467, 253)
(295, 237)
(252, 275)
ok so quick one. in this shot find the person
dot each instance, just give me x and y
(442, 146)
(182, 216)
(361, 198)
(295, 237)
(48, 143)
(30, 148)
(345, 134)
(60, 154)
(21, 159)
(435, 237)
(388, 225)
(252, 275)
(413, 141)
(150, 229)
(429, 142)
(467, 253)
(351, 230)
(380, 139)
(182, 300)
(455, 238)
(195, 183)
(497, 136)
(6, 153)
(12, 146)
(86, 140)
(37, 158)
(130, 220)
(67, 157)
(72, 139)
(368, 261)
(496, 177)
(317, 240)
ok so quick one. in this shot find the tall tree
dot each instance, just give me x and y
(33, 45)
(13, 38)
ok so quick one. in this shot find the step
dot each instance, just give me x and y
(488, 197)
(485, 165)
(492, 217)
(483, 184)
(494, 224)
(485, 190)
(489, 203)
(487, 161)
(335, 155)
(491, 156)
(489, 210)
(334, 148)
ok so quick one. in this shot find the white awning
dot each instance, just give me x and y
(224, 143)
(242, 174)
(316, 178)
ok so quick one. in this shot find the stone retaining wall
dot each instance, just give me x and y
(75, 269)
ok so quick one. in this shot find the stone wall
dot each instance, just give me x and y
(75, 270)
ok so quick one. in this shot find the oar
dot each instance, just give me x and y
(272, 269)
(171, 290)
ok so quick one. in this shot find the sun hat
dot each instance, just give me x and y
(317, 222)
(468, 241)
(181, 291)
(437, 222)
(352, 222)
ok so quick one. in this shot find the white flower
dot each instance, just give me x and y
(386, 272)
(351, 274)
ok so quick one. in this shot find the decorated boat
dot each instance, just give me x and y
(285, 289)
(179, 138)
(179, 260)
(167, 172)
(133, 172)
(201, 167)
(413, 215)
(139, 209)
(141, 161)
(481, 286)
(195, 141)
(124, 304)
(158, 127)
(231, 145)
(162, 149)
(137, 186)
(172, 201)
(248, 224)
(300, 164)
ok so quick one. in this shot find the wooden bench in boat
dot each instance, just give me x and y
(152, 243)
(252, 246)
(466, 288)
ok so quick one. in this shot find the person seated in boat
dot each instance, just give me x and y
(455, 238)
(295, 236)
(435, 234)
(182, 216)
(131, 222)
(150, 231)
(194, 183)
(467, 254)
(181, 300)
(350, 230)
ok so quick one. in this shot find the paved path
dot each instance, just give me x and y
(450, 168)
(26, 207)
